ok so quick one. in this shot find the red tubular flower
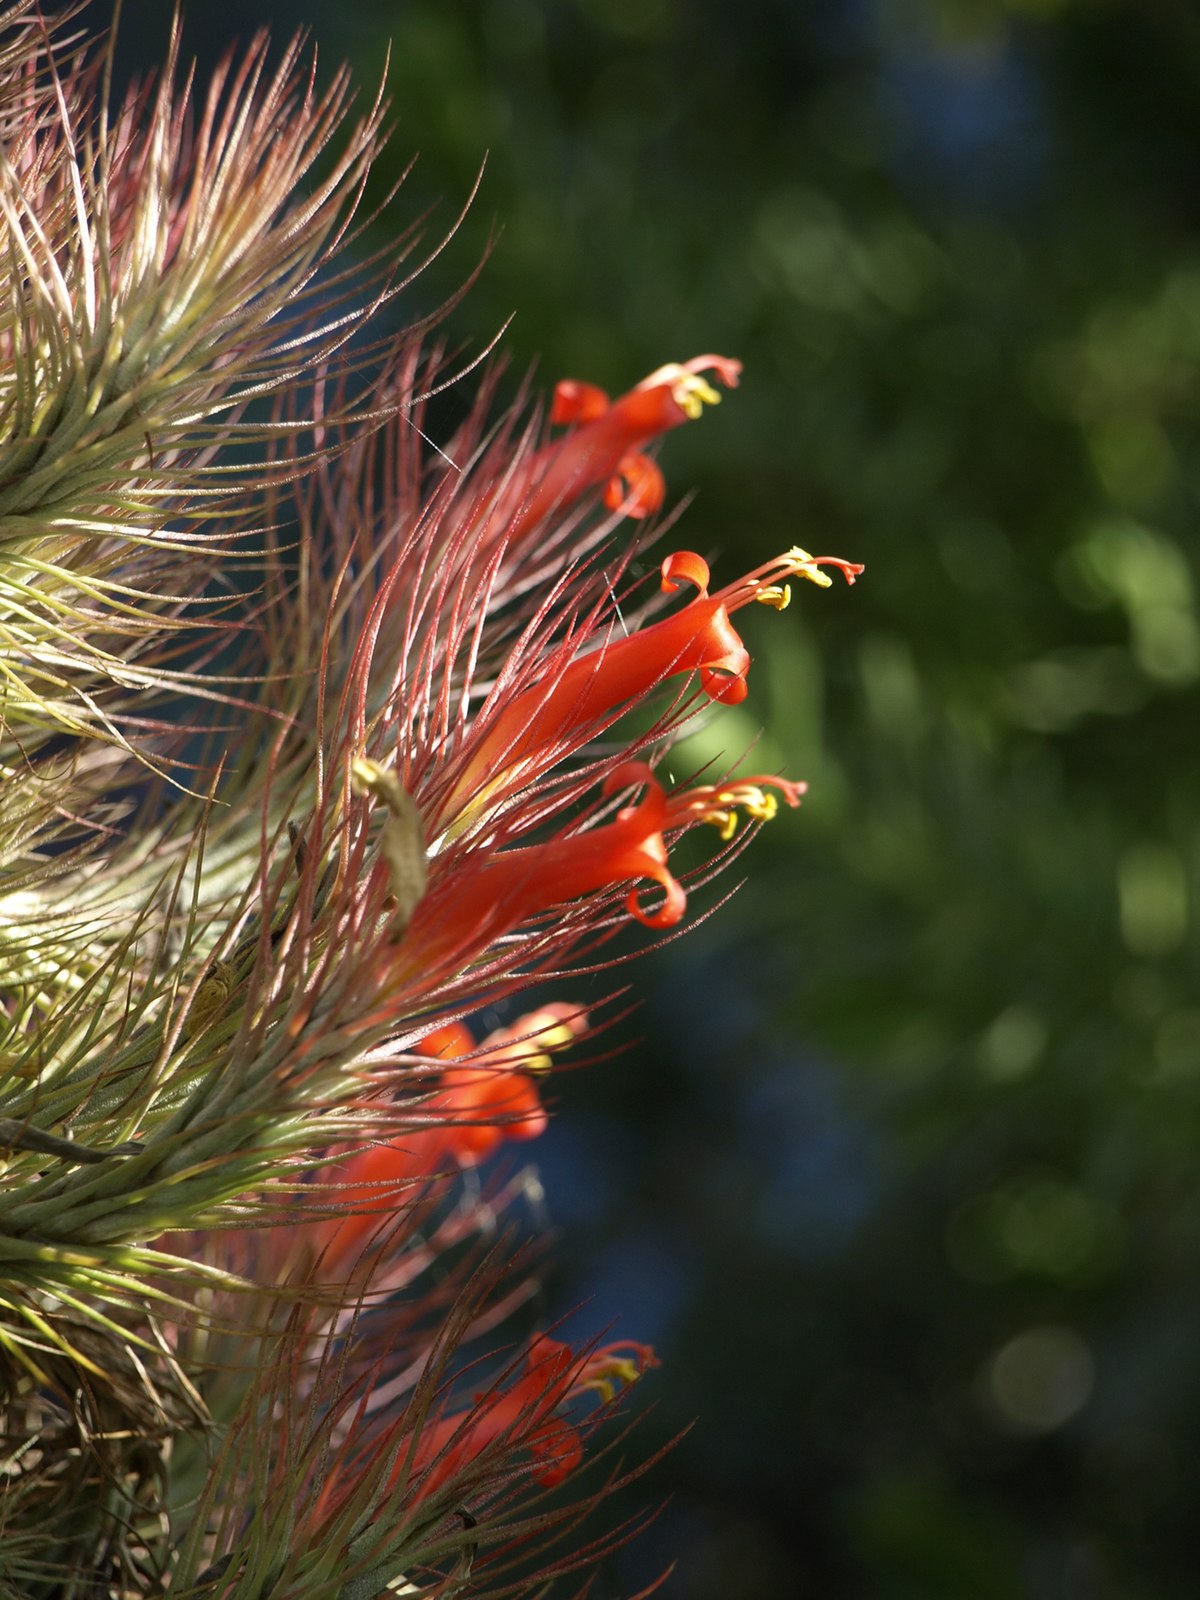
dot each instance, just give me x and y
(719, 803)
(477, 906)
(482, 1439)
(481, 1104)
(538, 725)
(605, 443)
(495, 1098)
(487, 1104)
(374, 1178)
(473, 906)
(489, 1098)
(521, 1417)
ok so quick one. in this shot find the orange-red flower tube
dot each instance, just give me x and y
(503, 1422)
(480, 1104)
(472, 907)
(465, 911)
(604, 445)
(538, 725)
(521, 1415)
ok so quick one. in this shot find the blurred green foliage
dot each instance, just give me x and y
(910, 1158)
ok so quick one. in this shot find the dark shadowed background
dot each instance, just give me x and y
(904, 1179)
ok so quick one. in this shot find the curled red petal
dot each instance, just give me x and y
(575, 402)
(670, 912)
(726, 368)
(685, 566)
(637, 489)
(727, 688)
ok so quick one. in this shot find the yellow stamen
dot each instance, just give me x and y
(617, 1373)
(804, 566)
(555, 1038)
(758, 803)
(776, 595)
(688, 389)
(721, 808)
(691, 394)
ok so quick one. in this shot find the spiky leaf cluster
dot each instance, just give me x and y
(313, 742)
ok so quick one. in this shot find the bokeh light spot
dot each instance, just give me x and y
(1011, 1046)
(1040, 1380)
(1153, 898)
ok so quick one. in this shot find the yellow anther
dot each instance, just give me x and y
(776, 595)
(725, 822)
(721, 810)
(688, 389)
(691, 394)
(539, 1061)
(617, 1373)
(805, 566)
(759, 805)
(556, 1038)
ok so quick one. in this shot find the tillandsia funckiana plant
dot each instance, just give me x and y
(320, 740)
